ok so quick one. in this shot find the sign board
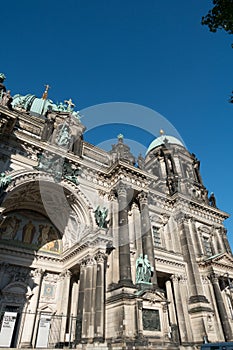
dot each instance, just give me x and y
(7, 328)
(43, 331)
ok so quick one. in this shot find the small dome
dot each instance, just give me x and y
(164, 139)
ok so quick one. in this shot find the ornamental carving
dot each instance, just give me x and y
(65, 274)
(143, 197)
(100, 257)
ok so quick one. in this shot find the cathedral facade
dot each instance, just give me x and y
(99, 251)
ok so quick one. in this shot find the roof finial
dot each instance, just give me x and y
(161, 131)
(120, 137)
(45, 94)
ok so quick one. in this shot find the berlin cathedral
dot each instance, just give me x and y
(100, 251)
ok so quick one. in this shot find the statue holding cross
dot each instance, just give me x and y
(70, 104)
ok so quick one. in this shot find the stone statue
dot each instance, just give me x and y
(212, 200)
(71, 173)
(5, 180)
(48, 126)
(61, 107)
(147, 269)
(173, 184)
(139, 269)
(141, 162)
(76, 136)
(6, 99)
(100, 217)
(2, 86)
(143, 269)
(63, 136)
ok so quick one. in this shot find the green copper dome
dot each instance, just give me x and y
(164, 139)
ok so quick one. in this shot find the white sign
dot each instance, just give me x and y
(43, 331)
(7, 328)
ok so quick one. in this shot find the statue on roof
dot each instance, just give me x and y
(63, 135)
(48, 125)
(70, 105)
(2, 86)
(212, 200)
(6, 99)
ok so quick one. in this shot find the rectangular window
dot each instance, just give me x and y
(156, 236)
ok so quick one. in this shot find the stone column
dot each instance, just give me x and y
(65, 277)
(30, 317)
(137, 227)
(124, 247)
(214, 244)
(99, 298)
(88, 304)
(194, 280)
(221, 309)
(221, 245)
(73, 310)
(196, 239)
(179, 308)
(147, 240)
(82, 279)
(223, 234)
(113, 258)
(171, 308)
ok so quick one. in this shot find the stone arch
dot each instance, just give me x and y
(16, 293)
(63, 203)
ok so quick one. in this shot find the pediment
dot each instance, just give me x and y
(222, 260)
(153, 296)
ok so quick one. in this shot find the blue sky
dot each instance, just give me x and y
(152, 53)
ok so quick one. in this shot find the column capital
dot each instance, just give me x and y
(112, 196)
(175, 278)
(182, 218)
(38, 272)
(100, 257)
(214, 278)
(205, 279)
(65, 274)
(90, 261)
(122, 189)
(143, 197)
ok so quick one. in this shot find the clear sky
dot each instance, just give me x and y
(153, 53)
